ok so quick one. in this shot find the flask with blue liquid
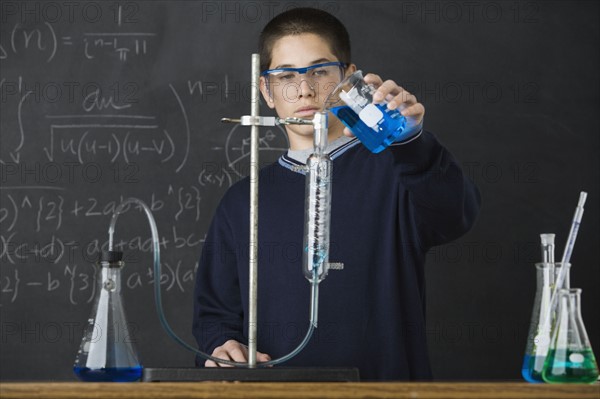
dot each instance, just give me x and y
(375, 125)
(107, 353)
(538, 339)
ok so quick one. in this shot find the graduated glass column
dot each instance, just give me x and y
(107, 352)
(570, 358)
(317, 206)
(538, 339)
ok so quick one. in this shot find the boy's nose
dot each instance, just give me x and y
(306, 88)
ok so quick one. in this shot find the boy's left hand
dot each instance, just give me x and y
(396, 97)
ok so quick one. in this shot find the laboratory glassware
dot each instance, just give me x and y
(376, 126)
(538, 339)
(318, 275)
(317, 205)
(570, 358)
(321, 200)
(107, 351)
(535, 352)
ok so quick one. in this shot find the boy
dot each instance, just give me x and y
(388, 209)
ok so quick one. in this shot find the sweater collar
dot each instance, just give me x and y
(295, 159)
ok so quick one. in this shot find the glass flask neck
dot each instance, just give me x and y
(570, 300)
(547, 274)
(110, 276)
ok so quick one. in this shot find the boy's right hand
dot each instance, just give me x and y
(234, 351)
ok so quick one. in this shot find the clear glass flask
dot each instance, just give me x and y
(538, 338)
(538, 341)
(570, 358)
(376, 126)
(107, 352)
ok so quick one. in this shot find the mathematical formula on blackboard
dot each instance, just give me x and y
(86, 123)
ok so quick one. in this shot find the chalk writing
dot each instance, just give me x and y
(78, 284)
(237, 146)
(121, 44)
(44, 40)
(40, 40)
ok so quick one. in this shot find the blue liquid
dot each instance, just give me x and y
(532, 368)
(390, 129)
(109, 374)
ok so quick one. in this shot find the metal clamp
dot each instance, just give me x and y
(248, 120)
(336, 266)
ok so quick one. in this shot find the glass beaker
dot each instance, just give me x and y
(376, 126)
(570, 357)
(107, 352)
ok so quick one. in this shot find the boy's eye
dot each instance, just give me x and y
(319, 73)
(286, 76)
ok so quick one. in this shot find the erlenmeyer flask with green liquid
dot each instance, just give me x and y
(570, 358)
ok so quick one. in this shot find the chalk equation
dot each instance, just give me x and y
(67, 140)
(78, 283)
(272, 143)
(102, 128)
(37, 239)
(45, 210)
(45, 41)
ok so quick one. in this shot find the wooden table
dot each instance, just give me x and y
(343, 390)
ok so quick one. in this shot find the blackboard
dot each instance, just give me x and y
(101, 101)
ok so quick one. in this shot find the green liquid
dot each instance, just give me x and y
(564, 366)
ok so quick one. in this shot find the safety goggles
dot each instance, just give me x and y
(319, 74)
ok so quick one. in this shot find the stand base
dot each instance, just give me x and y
(274, 374)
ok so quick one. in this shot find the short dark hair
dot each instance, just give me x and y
(304, 20)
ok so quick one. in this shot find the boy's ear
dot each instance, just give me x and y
(265, 93)
(351, 69)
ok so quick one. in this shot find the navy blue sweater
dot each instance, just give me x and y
(388, 209)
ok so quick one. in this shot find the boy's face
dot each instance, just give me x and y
(301, 100)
